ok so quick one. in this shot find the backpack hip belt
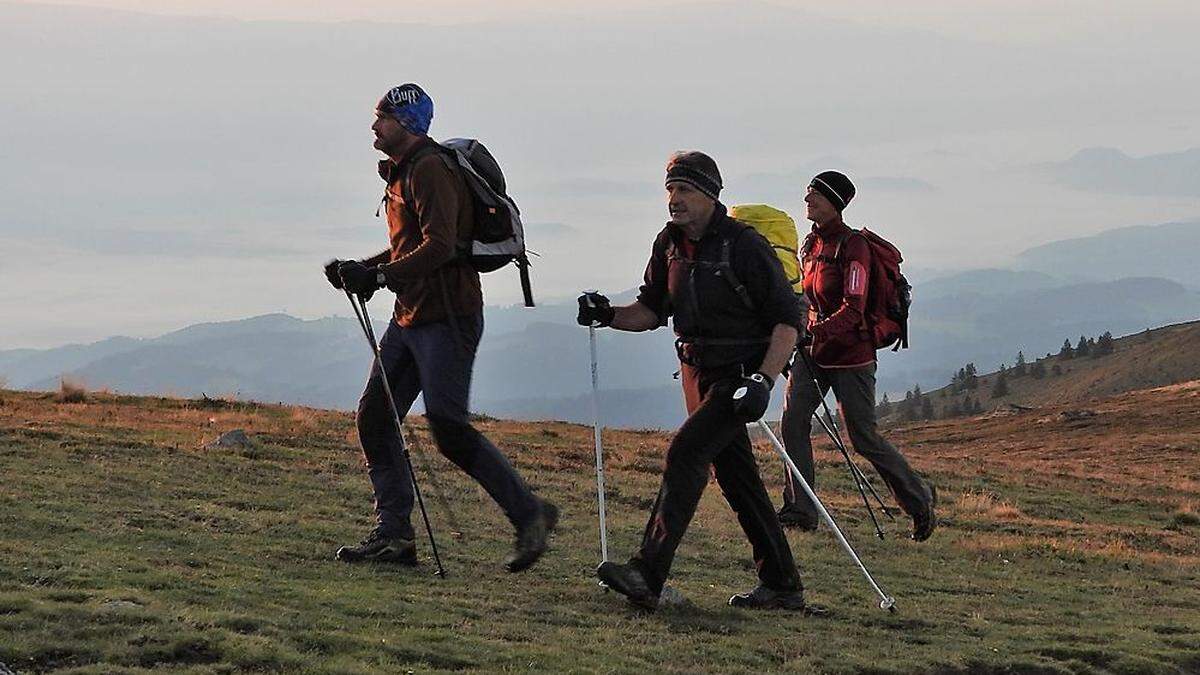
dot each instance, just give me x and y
(691, 350)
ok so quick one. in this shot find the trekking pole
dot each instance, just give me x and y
(855, 468)
(885, 601)
(596, 439)
(364, 319)
(860, 478)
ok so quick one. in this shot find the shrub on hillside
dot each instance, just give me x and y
(1067, 351)
(885, 406)
(1018, 370)
(70, 391)
(1083, 348)
(1000, 389)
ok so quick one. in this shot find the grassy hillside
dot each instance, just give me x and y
(1159, 357)
(1067, 546)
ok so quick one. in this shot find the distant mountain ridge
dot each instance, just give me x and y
(1110, 170)
(1168, 251)
(534, 364)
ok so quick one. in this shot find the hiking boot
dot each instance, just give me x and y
(378, 547)
(766, 598)
(629, 582)
(797, 520)
(925, 520)
(533, 538)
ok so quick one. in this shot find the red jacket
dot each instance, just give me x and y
(836, 269)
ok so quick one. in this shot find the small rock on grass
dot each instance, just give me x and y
(116, 604)
(231, 439)
(672, 599)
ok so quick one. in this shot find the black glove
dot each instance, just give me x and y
(751, 398)
(331, 273)
(359, 279)
(594, 310)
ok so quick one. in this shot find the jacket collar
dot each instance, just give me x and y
(716, 225)
(831, 231)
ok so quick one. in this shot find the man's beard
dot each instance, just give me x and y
(387, 148)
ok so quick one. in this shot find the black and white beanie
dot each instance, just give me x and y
(696, 169)
(836, 187)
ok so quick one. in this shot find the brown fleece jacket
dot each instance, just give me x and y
(433, 282)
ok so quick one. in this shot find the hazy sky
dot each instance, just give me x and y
(994, 19)
(159, 170)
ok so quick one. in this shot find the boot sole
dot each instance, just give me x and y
(795, 525)
(773, 605)
(391, 557)
(933, 520)
(550, 513)
(645, 601)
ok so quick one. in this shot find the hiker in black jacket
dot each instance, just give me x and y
(736, 319)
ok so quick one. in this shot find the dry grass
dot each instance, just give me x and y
(225, 557)
(1187, 515)
(983, 503)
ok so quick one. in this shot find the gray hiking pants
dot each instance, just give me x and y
(434, 360)
(855, 392)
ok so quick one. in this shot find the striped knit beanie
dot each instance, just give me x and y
(836, 187)
(696, 169)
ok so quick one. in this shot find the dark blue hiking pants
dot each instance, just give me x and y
(434, 360)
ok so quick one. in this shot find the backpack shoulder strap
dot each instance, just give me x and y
(726, 267)
(807, 245)
(410, 164)
(837, 250)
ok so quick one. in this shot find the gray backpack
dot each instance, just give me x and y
(499, 237)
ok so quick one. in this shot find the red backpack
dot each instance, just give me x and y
(889, 295)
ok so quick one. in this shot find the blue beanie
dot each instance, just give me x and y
(410, 106)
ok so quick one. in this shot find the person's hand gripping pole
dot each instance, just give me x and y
(591, 305)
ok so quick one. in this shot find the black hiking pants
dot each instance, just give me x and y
(855, 392)
(434, 360)
(712, 436)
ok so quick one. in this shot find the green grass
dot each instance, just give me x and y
(124, 547)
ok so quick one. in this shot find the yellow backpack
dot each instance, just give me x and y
(780, 231)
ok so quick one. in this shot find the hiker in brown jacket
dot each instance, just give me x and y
(429, 345)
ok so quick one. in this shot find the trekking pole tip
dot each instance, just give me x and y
(888, 603)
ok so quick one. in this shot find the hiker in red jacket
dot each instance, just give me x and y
(836, 263)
